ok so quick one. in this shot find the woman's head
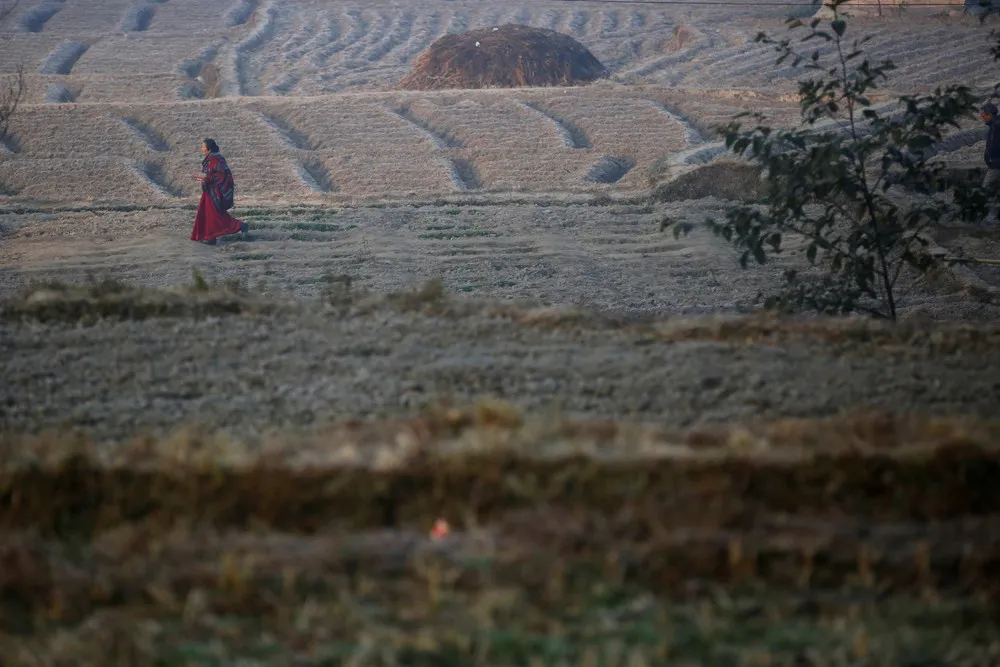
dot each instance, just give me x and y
(209, 146)
(988, 112)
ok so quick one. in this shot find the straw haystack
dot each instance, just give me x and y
(510, 56)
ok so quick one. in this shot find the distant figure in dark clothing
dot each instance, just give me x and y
(992, 154)
(213, 219)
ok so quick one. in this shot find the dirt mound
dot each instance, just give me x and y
(724, 179)
(509, 56)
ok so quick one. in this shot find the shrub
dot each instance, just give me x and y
(857, 184)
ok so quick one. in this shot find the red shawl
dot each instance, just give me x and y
(218, 181)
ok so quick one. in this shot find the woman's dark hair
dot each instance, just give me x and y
(211, 145)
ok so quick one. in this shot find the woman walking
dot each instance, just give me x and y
(213, 219)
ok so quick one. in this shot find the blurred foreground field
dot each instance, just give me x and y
(857, 537)
(870, 540)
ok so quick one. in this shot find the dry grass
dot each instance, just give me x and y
(314, 49)
(366, 148)
(862, 536)
(571, 540)
(211, 80)
(859, 334)
(370, 46)
(109, 299)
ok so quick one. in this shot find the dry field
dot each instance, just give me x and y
(190, 479)
(611, 258)
(461, 305)
(121, 93)
(245, 467)
(353, 145)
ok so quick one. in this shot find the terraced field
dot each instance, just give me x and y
(122, 93)
(612, 258)
(461, 305)
(308, 48)
(302, 147)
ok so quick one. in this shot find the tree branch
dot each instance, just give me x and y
(7, 8)
(12, 93)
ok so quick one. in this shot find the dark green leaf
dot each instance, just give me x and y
(919, 143)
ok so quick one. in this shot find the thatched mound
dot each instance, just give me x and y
(510, 56)
(725, 179)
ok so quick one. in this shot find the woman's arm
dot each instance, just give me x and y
(207, 175)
